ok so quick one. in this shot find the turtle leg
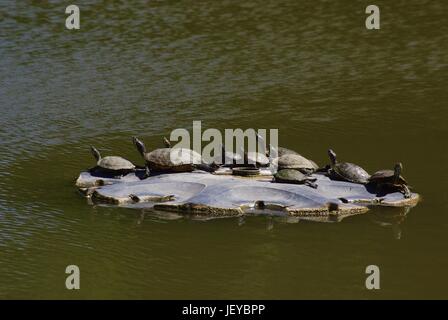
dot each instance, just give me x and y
(406, 192)
(147, 172)
(119, 174)
(204, 167)
(310, 184)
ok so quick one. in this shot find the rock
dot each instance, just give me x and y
(201, 193)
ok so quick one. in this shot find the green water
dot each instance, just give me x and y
(308, 68)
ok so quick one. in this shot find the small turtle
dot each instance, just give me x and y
(391, 180)
(251, 159)
(229, 159)
(296, 161)
(294, 176)
(171, 159)
(290, 159)
(201, 166)
(111, 165)
(256, 159)
(347, 171)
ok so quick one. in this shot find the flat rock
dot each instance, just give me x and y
(202, 193)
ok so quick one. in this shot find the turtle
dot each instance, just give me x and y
(296, 161)
(391, 180)
(111, 165)
(256, 159)
(171, 159)
(346, 171)
(280, 150)
(228, 159)
(201, 166)
(294, 176)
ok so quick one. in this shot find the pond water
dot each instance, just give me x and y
(308, 68)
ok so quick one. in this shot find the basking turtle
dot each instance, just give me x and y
(256, 159)
(290, 159)
(229, 159)
(111, 165)
(171, 160)
(391, 180)
(296, 161)
(347, 171)
(294, 176)
(202, 166)
(281, 151)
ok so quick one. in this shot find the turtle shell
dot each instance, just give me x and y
(350, 172)
(295, 161)
(230, 158)
(386, 176)
(294, 176)
(282, 151)
(115, 163)
(290, 175)
(172, 159)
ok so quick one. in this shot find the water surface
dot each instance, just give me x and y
(308, 68)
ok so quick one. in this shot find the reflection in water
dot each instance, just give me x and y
(391, 218)
(309, 69)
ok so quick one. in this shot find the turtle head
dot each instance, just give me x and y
(397, 170)
(140, 145)
(166, 142)
(332, 156)
(95, 153)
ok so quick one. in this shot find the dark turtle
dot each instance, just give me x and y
(347, 171)
(253, 159)
(290, 159)
(296, 161)
(171, 159)
(294, 176)
(111, 165)
(256, 159)
(201, 166)
(386, 180)
(229, 159)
